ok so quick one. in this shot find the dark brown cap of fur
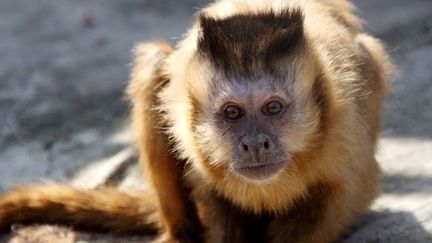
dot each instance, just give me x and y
(245, 42)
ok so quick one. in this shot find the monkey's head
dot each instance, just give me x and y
(244, 99)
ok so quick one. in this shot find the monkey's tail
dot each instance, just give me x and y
(106, 209)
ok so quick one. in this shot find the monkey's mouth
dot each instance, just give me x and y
(259, 171)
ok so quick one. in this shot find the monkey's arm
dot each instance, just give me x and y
(326, 214)
(331, 207)
(177, 213)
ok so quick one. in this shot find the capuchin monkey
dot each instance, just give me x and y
(259, 126)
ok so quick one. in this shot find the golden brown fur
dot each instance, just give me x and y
(158, 164)
(332, 176)
(100, 209)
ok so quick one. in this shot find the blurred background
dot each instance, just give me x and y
(64, 65)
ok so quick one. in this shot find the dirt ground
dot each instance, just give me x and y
(64, 65)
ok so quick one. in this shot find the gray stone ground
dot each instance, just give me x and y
(64, 65)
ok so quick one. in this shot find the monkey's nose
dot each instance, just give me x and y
(253, 144)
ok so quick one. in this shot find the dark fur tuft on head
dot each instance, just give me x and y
(244, 42)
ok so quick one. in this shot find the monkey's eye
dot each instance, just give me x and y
(273, 108)
(232, 113)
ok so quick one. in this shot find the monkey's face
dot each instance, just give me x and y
(253, 127)
(251, 118)
(258, 124)
(248, 95)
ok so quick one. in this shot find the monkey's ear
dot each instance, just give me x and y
(147, 72)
